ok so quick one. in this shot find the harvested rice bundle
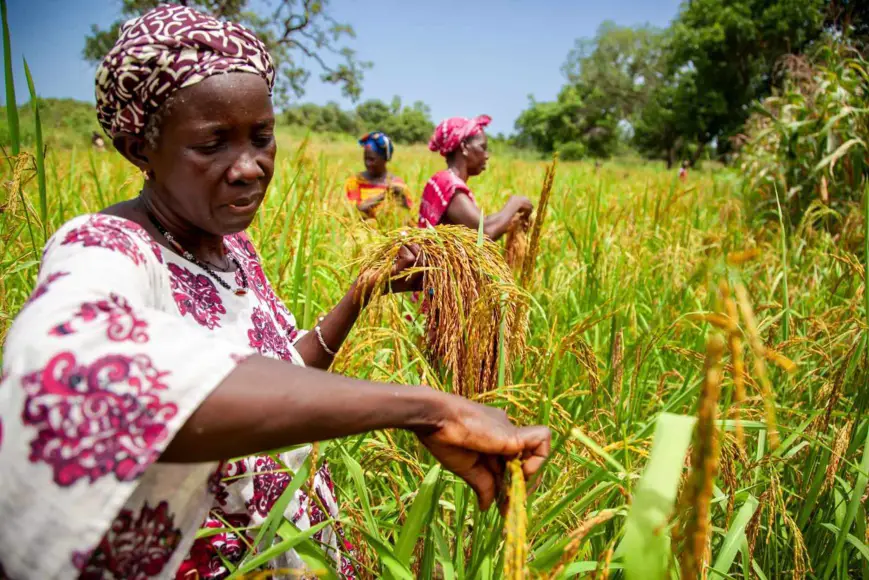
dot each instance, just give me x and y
(468, 292)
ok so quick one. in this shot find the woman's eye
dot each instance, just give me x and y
(263, 140)
(209, 148)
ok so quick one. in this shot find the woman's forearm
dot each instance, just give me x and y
(334, 328)
(268, 404)
(497, 224)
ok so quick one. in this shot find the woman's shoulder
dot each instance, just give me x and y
(108, 232)
(445, 181)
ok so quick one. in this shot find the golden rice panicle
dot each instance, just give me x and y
(759, 354)
(840, 446)
(734, 343)
(542, 206)
(515, 525)
(704, 466)
(467, 290)
(517, 243)
(576, 538)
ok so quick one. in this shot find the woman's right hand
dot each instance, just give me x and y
(523, 205)
(475, 441)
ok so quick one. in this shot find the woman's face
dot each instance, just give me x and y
(476, 152)
(215, 152)
(374, 163)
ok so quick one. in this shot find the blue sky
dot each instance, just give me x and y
(460, 57)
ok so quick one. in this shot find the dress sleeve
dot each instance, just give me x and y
(351, 189)
(99, 374)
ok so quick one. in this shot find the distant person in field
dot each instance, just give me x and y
(154, 382)
(97, 141)
(683, 171)
(369, 189)
(447, 199)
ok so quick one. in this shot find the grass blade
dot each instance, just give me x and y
(40, 150)
(11, 107)
(646, 543)
(853, 506)
(735, 536)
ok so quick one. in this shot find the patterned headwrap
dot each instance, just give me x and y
(166, 49)
(379, 142)
(450, 133)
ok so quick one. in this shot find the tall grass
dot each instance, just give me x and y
(623, 294)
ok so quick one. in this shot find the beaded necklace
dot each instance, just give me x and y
(187, 255)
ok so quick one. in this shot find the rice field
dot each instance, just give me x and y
(704, 375)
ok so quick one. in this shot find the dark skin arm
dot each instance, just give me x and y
(337, 324)
(462, 211)
(268, 404)
(370, 203)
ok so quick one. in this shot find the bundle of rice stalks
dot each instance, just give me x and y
(469, 297)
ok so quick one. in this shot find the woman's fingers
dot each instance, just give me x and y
(536, 442)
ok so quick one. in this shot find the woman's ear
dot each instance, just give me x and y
(133, 148)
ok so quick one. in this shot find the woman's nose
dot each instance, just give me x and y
(245, 169)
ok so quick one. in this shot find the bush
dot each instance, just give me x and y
(573, 151)
(809, 141)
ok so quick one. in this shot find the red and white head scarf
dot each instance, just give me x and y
(166, 49)
(450, 133)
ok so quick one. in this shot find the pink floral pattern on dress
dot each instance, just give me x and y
(42, 288)
(196, 295)
(265, 338)
(107, 232)
(135, 547)
(269, 483)
(204, 560)
(121, 323)
(112, 233)
(241, 246)
(96, 419)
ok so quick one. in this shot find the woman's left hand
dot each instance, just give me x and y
(408, 258)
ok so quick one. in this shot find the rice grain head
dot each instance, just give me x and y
(759, 355)
(468, 290)
(516, 525)
(704, 466)
(517, 243)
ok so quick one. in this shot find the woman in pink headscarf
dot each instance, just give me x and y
(447, 199)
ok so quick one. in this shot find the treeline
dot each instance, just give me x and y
(686, 91)
(404, 124)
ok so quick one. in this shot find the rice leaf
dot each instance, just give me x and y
(735, 536)
(418, 516)
(645, 546)
(11, 106)
(39, 155)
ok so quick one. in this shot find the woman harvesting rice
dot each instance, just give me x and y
(447, 199)
(153, 348)
(369, 188)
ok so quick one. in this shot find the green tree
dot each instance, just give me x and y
(295, 31)
(724, 56)
(609, 80)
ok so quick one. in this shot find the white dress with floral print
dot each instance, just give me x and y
(119, 343)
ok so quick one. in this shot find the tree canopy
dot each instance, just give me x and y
(687, 88)
(296, 32)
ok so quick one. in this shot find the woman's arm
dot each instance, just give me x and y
(370, 203)
(462, 211)
(268, 404)
(337, 324)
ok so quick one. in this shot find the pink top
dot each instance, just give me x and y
(437, 195)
